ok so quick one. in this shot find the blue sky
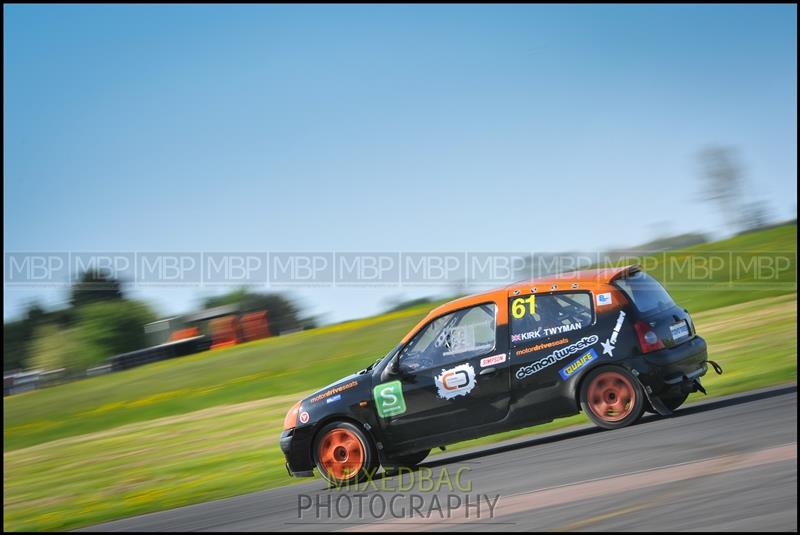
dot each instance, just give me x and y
(382, 128)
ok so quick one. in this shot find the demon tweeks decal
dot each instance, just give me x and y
(555, 356)
(457, 381)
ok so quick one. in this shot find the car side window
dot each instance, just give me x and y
(541, 316)
(457, 336)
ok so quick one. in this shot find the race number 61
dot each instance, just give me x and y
(518, 308)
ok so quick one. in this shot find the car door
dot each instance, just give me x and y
(551, 340)
(453, 374)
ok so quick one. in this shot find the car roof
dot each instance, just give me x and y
(589, 279)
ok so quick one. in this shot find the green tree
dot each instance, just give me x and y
(95, 286)
(54, 347)
(109, 328)
(17, 336)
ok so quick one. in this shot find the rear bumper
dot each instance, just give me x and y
(669, 368)
(296, 448)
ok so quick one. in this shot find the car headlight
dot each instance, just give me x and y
(290, 422)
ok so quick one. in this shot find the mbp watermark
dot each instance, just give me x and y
(699, 270)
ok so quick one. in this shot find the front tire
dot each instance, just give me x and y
(344, 454)
(611, 397)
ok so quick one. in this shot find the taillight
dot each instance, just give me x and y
(290, 422)
(648, 339)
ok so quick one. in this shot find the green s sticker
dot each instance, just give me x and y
(389, 399)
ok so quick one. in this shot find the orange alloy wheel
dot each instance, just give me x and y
(611, 396)
(341, 453)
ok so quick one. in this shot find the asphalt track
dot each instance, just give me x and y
(727, 464)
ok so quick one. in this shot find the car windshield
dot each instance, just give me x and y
(645, 292)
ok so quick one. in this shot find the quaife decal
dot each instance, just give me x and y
(539, 347)
(577, 364)
(604, 299)
(555, 356)
(458, 381)
(611, 341)
(334, 399)
(389, 399)
(545, 331)
(303, 417)
(491, 361)
(333, 391)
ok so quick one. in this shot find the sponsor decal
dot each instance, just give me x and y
(303, 417)
(611, 341)
(556, 356)
(389, 399)
(545, 331)
(333, 399)
(491, 361)
(458, 381)
(577, 364)
(333, 391)
(539, 347)
(604, 299)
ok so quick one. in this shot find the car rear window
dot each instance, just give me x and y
(646, 292)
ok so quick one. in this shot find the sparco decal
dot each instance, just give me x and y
(555, 356)
(611, 341)
(458, 381)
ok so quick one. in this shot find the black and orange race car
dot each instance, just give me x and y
(609, 342)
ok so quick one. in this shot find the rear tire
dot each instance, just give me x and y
(611, 397)
(344, 454)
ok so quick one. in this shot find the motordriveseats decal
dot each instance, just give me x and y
(457, 381)
(335, 390)
(555, 356)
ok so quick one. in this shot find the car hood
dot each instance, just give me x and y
(345, 384)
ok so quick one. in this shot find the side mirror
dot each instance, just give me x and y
(391, 369)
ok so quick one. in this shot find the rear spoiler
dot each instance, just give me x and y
(626, 271)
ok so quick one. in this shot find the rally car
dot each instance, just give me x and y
(609, 342)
